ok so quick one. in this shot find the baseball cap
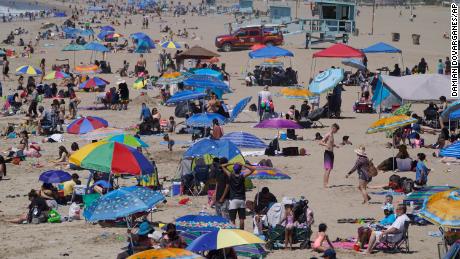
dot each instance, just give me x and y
(329, 253)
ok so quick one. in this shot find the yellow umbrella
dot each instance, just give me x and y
(443, 208)
(295, 92)
(166, 253)
(139, 83)
(389, 123)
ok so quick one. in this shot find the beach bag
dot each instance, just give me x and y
(372, 170)
(54, 216)
(74, 211)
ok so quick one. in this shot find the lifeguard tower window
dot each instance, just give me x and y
(345, 12)
(329, 12)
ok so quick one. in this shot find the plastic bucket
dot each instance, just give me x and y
(175, 188)
(283, 136)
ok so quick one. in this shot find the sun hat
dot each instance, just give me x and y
(361, 151)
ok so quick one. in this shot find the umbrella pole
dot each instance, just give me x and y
(130, 236)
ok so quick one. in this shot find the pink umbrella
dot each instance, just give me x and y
(278, 124)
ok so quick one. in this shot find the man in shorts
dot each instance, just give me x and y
(328, 143)
(237, 202)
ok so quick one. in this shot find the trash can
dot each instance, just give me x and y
(395, 36)
(416, 39)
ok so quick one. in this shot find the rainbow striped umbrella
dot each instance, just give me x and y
(170, 45)
(56, 75)
(111, 157)
(165, 253)
(389, 123)
(223, 238)
(442, 209)
(127, 139)
(28, 70)
(93, 82)
(86, 124)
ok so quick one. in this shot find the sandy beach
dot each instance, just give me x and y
(80, 239)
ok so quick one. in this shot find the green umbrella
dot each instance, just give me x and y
(73, 47)
(403, 110)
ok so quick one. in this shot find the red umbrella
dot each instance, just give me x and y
(258, 46)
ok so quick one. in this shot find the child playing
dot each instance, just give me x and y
(422, 171)
(169, 140)
(289, 225)
(318, 244)
(346, 141)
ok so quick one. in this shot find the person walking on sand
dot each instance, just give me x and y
(362, 166)
(328, 143)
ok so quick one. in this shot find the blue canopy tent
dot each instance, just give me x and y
(270, 52)
(383, 47)
(383, 97)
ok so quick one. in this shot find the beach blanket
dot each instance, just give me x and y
(419, 196)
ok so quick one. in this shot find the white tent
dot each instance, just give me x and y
(420, 87)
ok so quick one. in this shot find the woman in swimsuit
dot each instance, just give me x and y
(289, 225)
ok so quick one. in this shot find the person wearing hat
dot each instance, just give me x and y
(140, 239)
(329, 254)
(362, 166)
(390, 216)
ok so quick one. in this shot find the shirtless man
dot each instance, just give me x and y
(328, 143)
(141, 64)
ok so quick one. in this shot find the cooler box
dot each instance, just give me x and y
(175, 188)
(283, 136)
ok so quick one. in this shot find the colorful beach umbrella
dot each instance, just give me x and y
(28, 70)
(202, 223)
(139, 83)
(204, 119)
(267, 173)
(55, 176)
(113, 35)
(278, 124)
(295, 93)
(86, 124)
(223, 238)
(166, 253)
(122, 203)
(186, 95)
(215, 148)
(111, 157)
(172, 78)
(101, 133)
(87, 68)
(326, 80)
(244, 140)
(418, 197)
(390, 123)
(96, 46)
(107, 28)
(170, 45)
(127, 139)
(93, 83)
(56, 75)
(443, 209)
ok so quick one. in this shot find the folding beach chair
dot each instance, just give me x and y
(401, 245)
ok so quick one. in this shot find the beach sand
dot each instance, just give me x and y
(79, 239)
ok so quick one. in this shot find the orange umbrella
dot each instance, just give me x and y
(87, 68)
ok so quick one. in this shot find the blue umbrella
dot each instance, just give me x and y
(107, 28)
(353, 62)
(185, 96)
(202, 223)
(216, 148)
(138, 35)
(55, 176)
(239, 107)
(122, 203)
(144, 45)
(206, 81)
(103, 34)
(204, 119)
(209, 72)
(95, 46)
(450, 109)
(86, 32)
(70, 30)
(326, 80)
(455, 115)
(244, 140)
(452, 150)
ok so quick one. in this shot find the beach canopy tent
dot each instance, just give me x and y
(381, 47)
(339, 50)
(270, 52)
(196, 52)
(383, 97)
(420, 87)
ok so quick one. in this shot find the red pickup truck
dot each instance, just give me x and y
(246, 37)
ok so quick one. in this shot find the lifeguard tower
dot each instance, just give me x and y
(335, 22)
(280, 14)
(246, 6)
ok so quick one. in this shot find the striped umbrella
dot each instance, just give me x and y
(244, 140)
(452, 150)
(390, 123)
(74, 48)
(86, 124)
(93, 82)
(111, 157)
(28, 70)
(170, 45)
(239, 107)
(166, 253)
(443, 209)
(56, 75)
(127, 139)
(326, 80)
(223, 238)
